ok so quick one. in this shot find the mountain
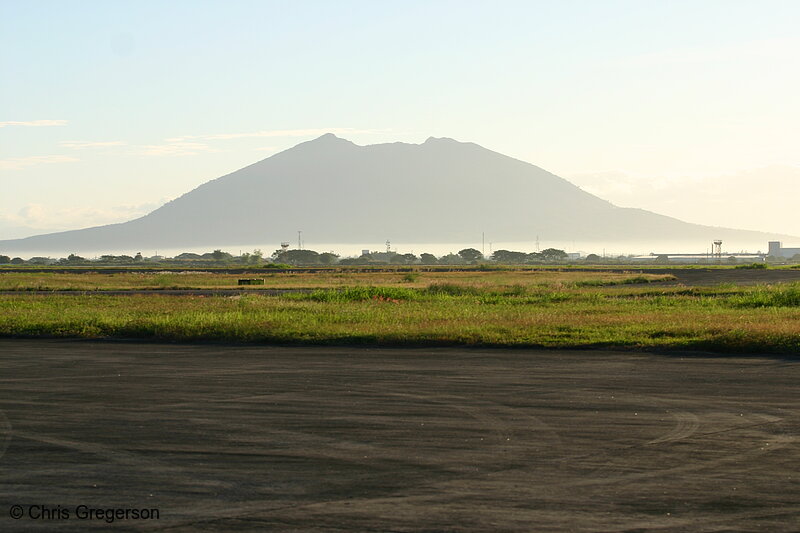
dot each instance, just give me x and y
(338, 192)
(18, 232)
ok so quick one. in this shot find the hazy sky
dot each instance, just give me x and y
(690, 109)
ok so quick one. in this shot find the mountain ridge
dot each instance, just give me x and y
(441, 190)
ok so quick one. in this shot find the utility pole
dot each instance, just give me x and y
(299, 239)
(483, 244)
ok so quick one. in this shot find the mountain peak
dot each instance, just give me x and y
(328, 139)
(327, 143)
(435, 140)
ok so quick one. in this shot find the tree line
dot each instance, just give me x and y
(298, 257)
(467, 256)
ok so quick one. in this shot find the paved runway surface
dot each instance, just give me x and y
(222, 438)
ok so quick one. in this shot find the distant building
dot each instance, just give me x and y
(776, 249)
(699, 258)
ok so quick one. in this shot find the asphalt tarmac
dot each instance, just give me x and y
(243, 438)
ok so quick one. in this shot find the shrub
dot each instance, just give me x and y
(788, 296)
(359, 294)
(451, 289)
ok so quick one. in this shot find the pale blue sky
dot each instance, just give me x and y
(653, 104)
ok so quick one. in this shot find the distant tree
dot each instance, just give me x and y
(4, 259)
(17, 261)
(508, 257)
(138, 257)
(592, 258)
(257, 256)
(410, 258)
(111, 259)
(428, 259)
(451, 259)
(300, 257)
(470, 255)
(328, 258)
(364, 259)
(403, 259)
(554, 254)
(186, 256)
(40, 261)
(732, 260)
(534, 257)
(72, 258)
(219, 255)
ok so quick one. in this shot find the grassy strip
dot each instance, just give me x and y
(209, 280)
(781, 296)
(763, 319)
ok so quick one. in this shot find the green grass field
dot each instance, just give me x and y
(308, 280)
(512, 309)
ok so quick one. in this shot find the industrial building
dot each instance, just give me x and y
(776, 249)
(700, 258)
(714, 255)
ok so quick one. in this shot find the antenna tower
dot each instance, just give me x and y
(717, 250)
